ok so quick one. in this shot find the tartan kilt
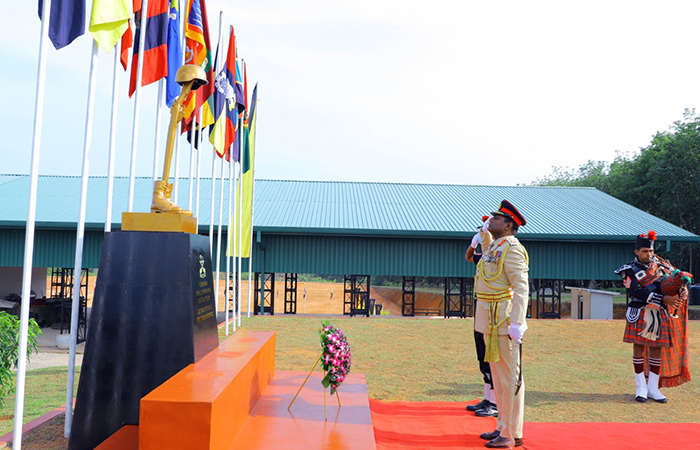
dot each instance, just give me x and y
(632, 331)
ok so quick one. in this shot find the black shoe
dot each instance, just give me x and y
(640, 399)
(489, 410)
(659, 400)
(489, 436)
(502, 442)
(473, 408)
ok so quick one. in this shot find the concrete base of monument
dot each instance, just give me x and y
(232, 399)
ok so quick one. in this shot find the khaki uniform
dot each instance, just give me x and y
(502, 292)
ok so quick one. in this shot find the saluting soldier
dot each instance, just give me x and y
(502, 293)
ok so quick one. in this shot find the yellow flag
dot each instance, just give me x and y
(247, 163)
(247, 186)
(109, 20)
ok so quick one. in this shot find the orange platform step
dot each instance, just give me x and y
(126, 438)
(272, 426)
(205, 404)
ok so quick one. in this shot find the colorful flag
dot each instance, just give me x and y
(247, 159)
(240, 91)
(172, 89)
(127, 42)
(109, 21)
(128, 37)
(66, 21)
(245, 86)
(155, 55)
(196, 137)
(198, 51)
(223, 131)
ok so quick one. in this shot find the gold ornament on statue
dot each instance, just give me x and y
(190, 77)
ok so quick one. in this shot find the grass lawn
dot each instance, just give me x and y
(45, 391)
(575, 371)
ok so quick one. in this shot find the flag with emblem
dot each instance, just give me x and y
(240, 91)
(223, 131)
(198, 51)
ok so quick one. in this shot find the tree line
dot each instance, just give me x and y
(662, 179)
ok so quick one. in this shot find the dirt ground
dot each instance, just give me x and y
(314, 297)
(327, 298)
(46, 437)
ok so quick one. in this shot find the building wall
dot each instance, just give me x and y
(429, 257)
(362, 255)
(11, 281)
(52, 248)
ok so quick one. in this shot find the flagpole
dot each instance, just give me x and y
(79, 241)
(191, 185)
(213, 162)
(237, 266)
(218, 242)
(252, 196)
(29, 234)
(228, 254)
(199, 158)
(112, 137)
(182, 61)
(176, 170)
(229, 246)
(213, 200)
(176, 183)
(240, 221)
(159, 113)
(137, 103)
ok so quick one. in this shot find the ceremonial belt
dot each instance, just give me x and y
(494, 299)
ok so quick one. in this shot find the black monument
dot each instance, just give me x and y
(153, 314)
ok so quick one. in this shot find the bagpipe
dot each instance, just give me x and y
(673, 283)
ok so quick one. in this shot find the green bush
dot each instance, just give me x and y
(9, 349)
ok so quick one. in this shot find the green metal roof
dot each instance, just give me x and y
(346, 208)
(58, 200)
(448, 210)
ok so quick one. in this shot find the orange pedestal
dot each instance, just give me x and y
(229, 400)
(206, 403)
(127, 438)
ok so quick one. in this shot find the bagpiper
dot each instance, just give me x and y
(656, 320)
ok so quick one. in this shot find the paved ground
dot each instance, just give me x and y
(50, 355)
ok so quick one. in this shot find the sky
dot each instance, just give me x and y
(457, 92)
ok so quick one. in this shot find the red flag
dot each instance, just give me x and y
(128, 37)
(155, 54)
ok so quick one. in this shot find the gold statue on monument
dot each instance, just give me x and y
(190, 77)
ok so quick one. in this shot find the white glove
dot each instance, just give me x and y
(475, 240)
(516, 332)
(485, 227)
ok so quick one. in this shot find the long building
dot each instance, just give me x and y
(354, 229)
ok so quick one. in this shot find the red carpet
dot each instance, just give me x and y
(447, 426)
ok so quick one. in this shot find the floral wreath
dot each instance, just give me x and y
(335, 358)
